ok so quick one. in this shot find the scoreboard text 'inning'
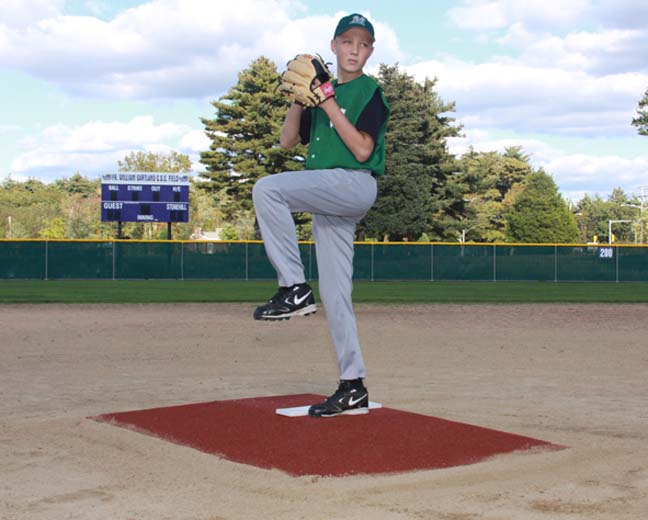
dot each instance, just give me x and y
(144, 197)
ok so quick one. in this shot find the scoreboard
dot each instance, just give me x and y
(144, 197)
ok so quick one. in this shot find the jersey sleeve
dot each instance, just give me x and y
(373, 117)
(305, 125)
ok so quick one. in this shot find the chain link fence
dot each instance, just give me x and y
(203, 260)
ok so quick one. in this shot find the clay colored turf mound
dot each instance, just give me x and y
(386, 440)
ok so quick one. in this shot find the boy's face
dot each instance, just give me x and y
(352, 48)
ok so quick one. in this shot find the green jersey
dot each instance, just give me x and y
(326, 150)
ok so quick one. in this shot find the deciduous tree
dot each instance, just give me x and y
(26, 208)
(155, 162)
(488, 182)
(593, 214)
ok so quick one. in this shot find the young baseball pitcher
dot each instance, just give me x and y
(343, 121)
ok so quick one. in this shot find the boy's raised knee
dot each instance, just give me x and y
(259, 188)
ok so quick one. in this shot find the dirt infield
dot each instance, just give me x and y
(573, 375)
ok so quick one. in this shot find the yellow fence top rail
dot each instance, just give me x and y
(375, 243)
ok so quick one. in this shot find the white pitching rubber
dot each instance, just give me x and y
(301, 411)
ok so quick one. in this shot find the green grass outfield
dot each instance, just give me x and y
(166, 291)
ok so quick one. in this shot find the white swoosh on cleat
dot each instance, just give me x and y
(298, 301)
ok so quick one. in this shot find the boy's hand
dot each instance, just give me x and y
(307, 80)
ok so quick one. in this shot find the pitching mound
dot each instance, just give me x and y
(386, 440)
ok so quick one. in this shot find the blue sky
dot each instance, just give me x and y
(84, 82)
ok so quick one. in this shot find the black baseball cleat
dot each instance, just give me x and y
(351, 398)
(297, 300)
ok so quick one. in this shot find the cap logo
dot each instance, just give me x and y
(358, 20)
(353, 20)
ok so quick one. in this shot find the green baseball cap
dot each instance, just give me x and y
(354, 20)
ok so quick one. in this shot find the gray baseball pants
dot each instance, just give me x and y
(337, 199)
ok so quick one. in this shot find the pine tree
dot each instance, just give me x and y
(641, 121)
(245, 138)
(414, 195)
(539, 214)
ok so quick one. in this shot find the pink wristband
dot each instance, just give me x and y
(327, 89)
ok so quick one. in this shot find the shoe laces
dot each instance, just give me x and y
(344, 388)
(278, 296)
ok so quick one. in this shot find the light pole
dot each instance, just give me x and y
(642, 224)
(640, 221)
(610, 222)
(640, 207)
(462, 238)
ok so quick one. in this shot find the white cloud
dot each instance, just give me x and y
(482, 140)
(60, 150)
(543, 35)
(510, 95)
(22, 13)
(574, 68)
(622, 13)
(604, 52)
(498, 14)
(559, 83)
(168, 48)
(575, 173)
(195, 140)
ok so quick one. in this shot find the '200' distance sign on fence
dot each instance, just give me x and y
(144, 197)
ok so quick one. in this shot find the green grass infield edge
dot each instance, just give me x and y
(170, 291)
